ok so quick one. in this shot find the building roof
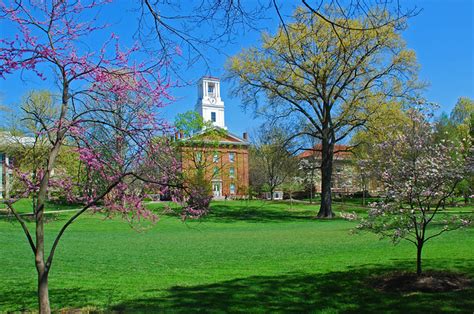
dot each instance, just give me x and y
(210, 78)
(6, 138)
(226, 137)
(340, 152)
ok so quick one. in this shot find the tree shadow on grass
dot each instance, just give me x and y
(346, 291)
(252, 212)
(262, 212)
(24, 299)
(349, 291)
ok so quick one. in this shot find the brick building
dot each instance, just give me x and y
(222, 155)
(347, 177)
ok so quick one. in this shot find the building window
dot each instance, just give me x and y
(231, 172)
(210, 88)
(232, 188)
(216, 171)
(215, 158)
(213, 116)
(198, 156)
(231, 157)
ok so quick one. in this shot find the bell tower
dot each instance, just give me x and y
(210, 105)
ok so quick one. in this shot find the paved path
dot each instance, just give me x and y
(46, 212)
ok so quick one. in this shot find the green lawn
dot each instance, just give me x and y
(244, 257)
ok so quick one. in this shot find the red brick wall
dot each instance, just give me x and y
(240, 164)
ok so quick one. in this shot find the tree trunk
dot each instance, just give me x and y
(43, 294)
(327, 152)
(41, 267)
(291, 200)
(419, 248)
(364, 187)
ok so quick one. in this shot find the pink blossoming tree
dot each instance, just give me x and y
(418, 175)
(106, 108)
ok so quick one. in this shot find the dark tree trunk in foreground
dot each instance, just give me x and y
(419, 248)
(325, 211)
(43, 294)
(41, 266)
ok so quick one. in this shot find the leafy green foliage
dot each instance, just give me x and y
(189, 122)
(457, 128)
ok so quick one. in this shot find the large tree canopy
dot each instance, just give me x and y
(324, 84)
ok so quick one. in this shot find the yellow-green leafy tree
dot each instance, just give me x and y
(324, 83)
(28, 146)
(389, 121)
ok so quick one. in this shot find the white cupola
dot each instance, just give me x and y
(210, 105)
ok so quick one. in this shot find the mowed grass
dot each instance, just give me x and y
(244, 257)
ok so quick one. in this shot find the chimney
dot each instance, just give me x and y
(181, 134)
(176, 136)
(245, 136)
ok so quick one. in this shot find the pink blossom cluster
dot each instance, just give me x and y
(108, 105)
(109, 101)
(349, 216)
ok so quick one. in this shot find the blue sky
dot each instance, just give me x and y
(442, 36)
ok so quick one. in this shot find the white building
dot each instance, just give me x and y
(4, 175)
(209, 104)
(6, 141)
(277, 195)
